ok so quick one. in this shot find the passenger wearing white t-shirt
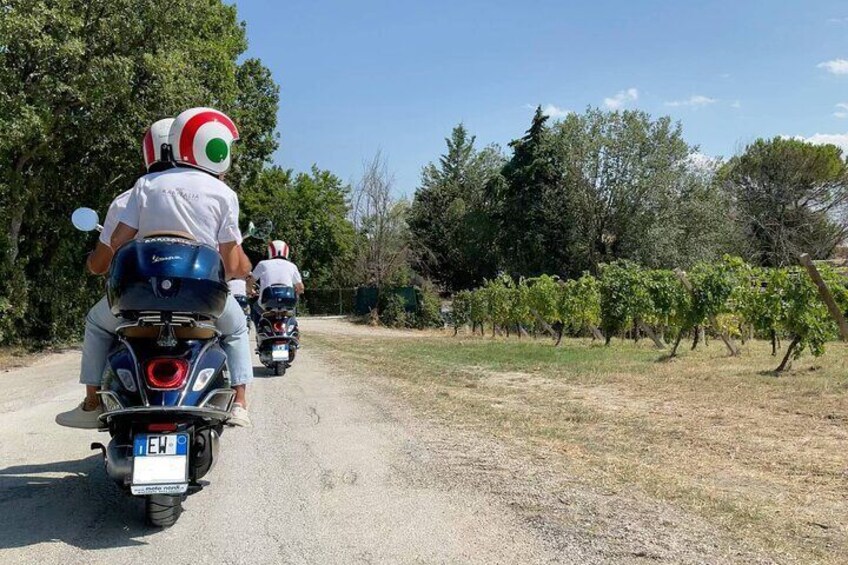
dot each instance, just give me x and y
(98, 340)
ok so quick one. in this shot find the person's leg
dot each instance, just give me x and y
(236, 344)
(255, 313)
(100, 328)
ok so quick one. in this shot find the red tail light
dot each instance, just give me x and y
(161, 427)
(279, 327)
(166, 373)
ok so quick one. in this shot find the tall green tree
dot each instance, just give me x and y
(600, 186)
(309, 212)
(517, 199)
(789, 198)
(624, 174)
(80, 81)
(449, 225)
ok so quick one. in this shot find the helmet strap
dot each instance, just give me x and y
(167, 155)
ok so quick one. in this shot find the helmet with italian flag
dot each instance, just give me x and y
(278, 248)
(202, 138)
(156, 136)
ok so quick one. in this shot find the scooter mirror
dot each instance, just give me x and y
(264, 232)
(85, 219)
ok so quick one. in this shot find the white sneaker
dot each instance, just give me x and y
(239, 417)
(79, 418)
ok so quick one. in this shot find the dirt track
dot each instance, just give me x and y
(327, 475)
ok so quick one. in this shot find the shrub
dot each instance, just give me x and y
(393, 310)
(428, 311)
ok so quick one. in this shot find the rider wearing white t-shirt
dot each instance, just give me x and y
(276, 270)
(238, 287)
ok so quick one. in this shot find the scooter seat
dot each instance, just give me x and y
(180, 332)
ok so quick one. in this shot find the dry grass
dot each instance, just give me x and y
(13, 357)
(762, 457)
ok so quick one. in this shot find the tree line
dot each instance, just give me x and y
(601, 186)
(728, 298)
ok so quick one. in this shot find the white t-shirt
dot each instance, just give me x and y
(113, 216)
(184, 200)
(238, 287)
(276, 271)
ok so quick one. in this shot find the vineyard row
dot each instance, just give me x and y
(730, 299)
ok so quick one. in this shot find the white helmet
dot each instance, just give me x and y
(151, 145)
(278, 248)
(202, 138)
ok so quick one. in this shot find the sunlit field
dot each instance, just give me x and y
(760, 456)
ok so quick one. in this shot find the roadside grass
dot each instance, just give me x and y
(12, 357)
(762, 457)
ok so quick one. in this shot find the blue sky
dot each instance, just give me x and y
(361, 76)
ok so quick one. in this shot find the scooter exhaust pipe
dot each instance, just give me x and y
(118, 462)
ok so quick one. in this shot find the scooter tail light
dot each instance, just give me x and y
(161, 427)
(166, 373)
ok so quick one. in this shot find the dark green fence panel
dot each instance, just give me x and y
(367, 298)
(329, 301)
(347, 301)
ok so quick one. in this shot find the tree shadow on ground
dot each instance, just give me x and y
(71, 502)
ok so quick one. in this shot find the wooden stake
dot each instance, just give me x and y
(826, 296)
(646, 329)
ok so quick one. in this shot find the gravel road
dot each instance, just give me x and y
(326, 475)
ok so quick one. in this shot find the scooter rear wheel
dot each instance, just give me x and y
(163, 510)
(279, 368)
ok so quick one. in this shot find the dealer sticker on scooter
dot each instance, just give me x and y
(158, 489)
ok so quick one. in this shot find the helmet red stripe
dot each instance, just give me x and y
(193, 124)
(149, 151)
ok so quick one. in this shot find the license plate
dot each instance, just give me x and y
(280, 352)
(160, 461)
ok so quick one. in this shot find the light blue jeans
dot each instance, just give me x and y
(101, 327)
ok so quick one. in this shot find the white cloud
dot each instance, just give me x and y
(621, 98)
(702, 162)
(555, 112)
(837, 20)
(550, 110)
(838, 139)
(696, 101)
(736, 104)
(835, 67)
(841, 110)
